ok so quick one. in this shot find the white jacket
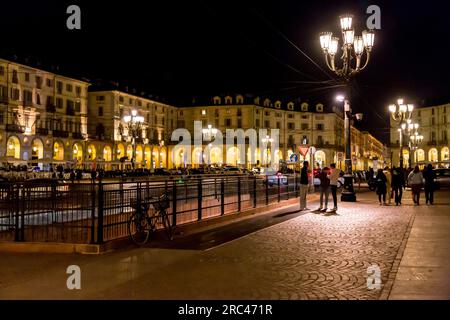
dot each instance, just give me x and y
(415, 178)
(334, 176)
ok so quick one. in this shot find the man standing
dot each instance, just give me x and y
(304, 186)
(334, 176)
(324, 188)
(430, 176)
(398, 183)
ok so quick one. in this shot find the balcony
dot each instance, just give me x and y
(15, 128)
(432, 143)
(50, 108)
(42, 131)
(77, 135)
(28, 104)
(60, 133)
(139, 140)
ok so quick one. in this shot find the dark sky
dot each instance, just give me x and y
(178, 49)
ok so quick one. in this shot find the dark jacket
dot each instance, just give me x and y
(429, 176)
(381, 183)
(304, 176)
(398, 179)
(324, 181)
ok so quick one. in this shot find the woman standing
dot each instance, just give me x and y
(415, 180)
(381, 186)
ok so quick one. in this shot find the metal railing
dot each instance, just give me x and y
(99, 212)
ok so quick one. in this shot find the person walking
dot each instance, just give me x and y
(381, 186)
(415, 180)
(429, 175)
(324, 189)
(398, 183)
(334, 176)
(388, 175)
(72, 176)
(304, 185)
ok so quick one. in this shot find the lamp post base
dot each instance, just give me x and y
(348, 193)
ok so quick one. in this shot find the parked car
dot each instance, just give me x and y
(256, 170)
(442, 178)
(232, 170)
(273, 176)
(162, 172)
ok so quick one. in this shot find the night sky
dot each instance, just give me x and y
(182, 49)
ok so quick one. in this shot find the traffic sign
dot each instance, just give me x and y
(340, 156)
(303, 149)
(294, 157)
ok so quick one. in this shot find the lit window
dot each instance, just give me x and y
(203, 112)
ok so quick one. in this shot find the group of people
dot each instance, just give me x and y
(391, 182)
(328, 182)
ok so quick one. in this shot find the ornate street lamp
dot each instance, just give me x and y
(401, 113)
(357, 48)
(134, 123)
(415, 141)
(410, 130)
(354, 48)
(209, 133)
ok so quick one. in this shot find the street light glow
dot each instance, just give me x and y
(346, 21)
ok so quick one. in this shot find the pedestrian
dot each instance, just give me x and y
(79, 175)
(304, 185)
(398, 183)
(415, 180)
(93, 175)
(429, 175)
(324, 189)
(334, 176)
(388, 175)
(381, 186)
(72, 176)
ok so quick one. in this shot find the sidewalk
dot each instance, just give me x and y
(424, 271)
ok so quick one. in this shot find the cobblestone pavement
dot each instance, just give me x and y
(311, 256)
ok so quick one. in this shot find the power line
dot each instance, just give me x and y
(290, 42)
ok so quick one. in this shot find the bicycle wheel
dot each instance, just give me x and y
(166, 224)
(139, 229)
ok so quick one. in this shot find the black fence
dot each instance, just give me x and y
(52, 211)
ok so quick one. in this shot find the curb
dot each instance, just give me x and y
(385, 293)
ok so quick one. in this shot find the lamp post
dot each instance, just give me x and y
(409, 130)
(353, 48)
(209, 134)
(348, 193)
(401, 113)
(266, 142)
(134, 123)
(415, 141)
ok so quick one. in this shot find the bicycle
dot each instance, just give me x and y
(144, 221)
